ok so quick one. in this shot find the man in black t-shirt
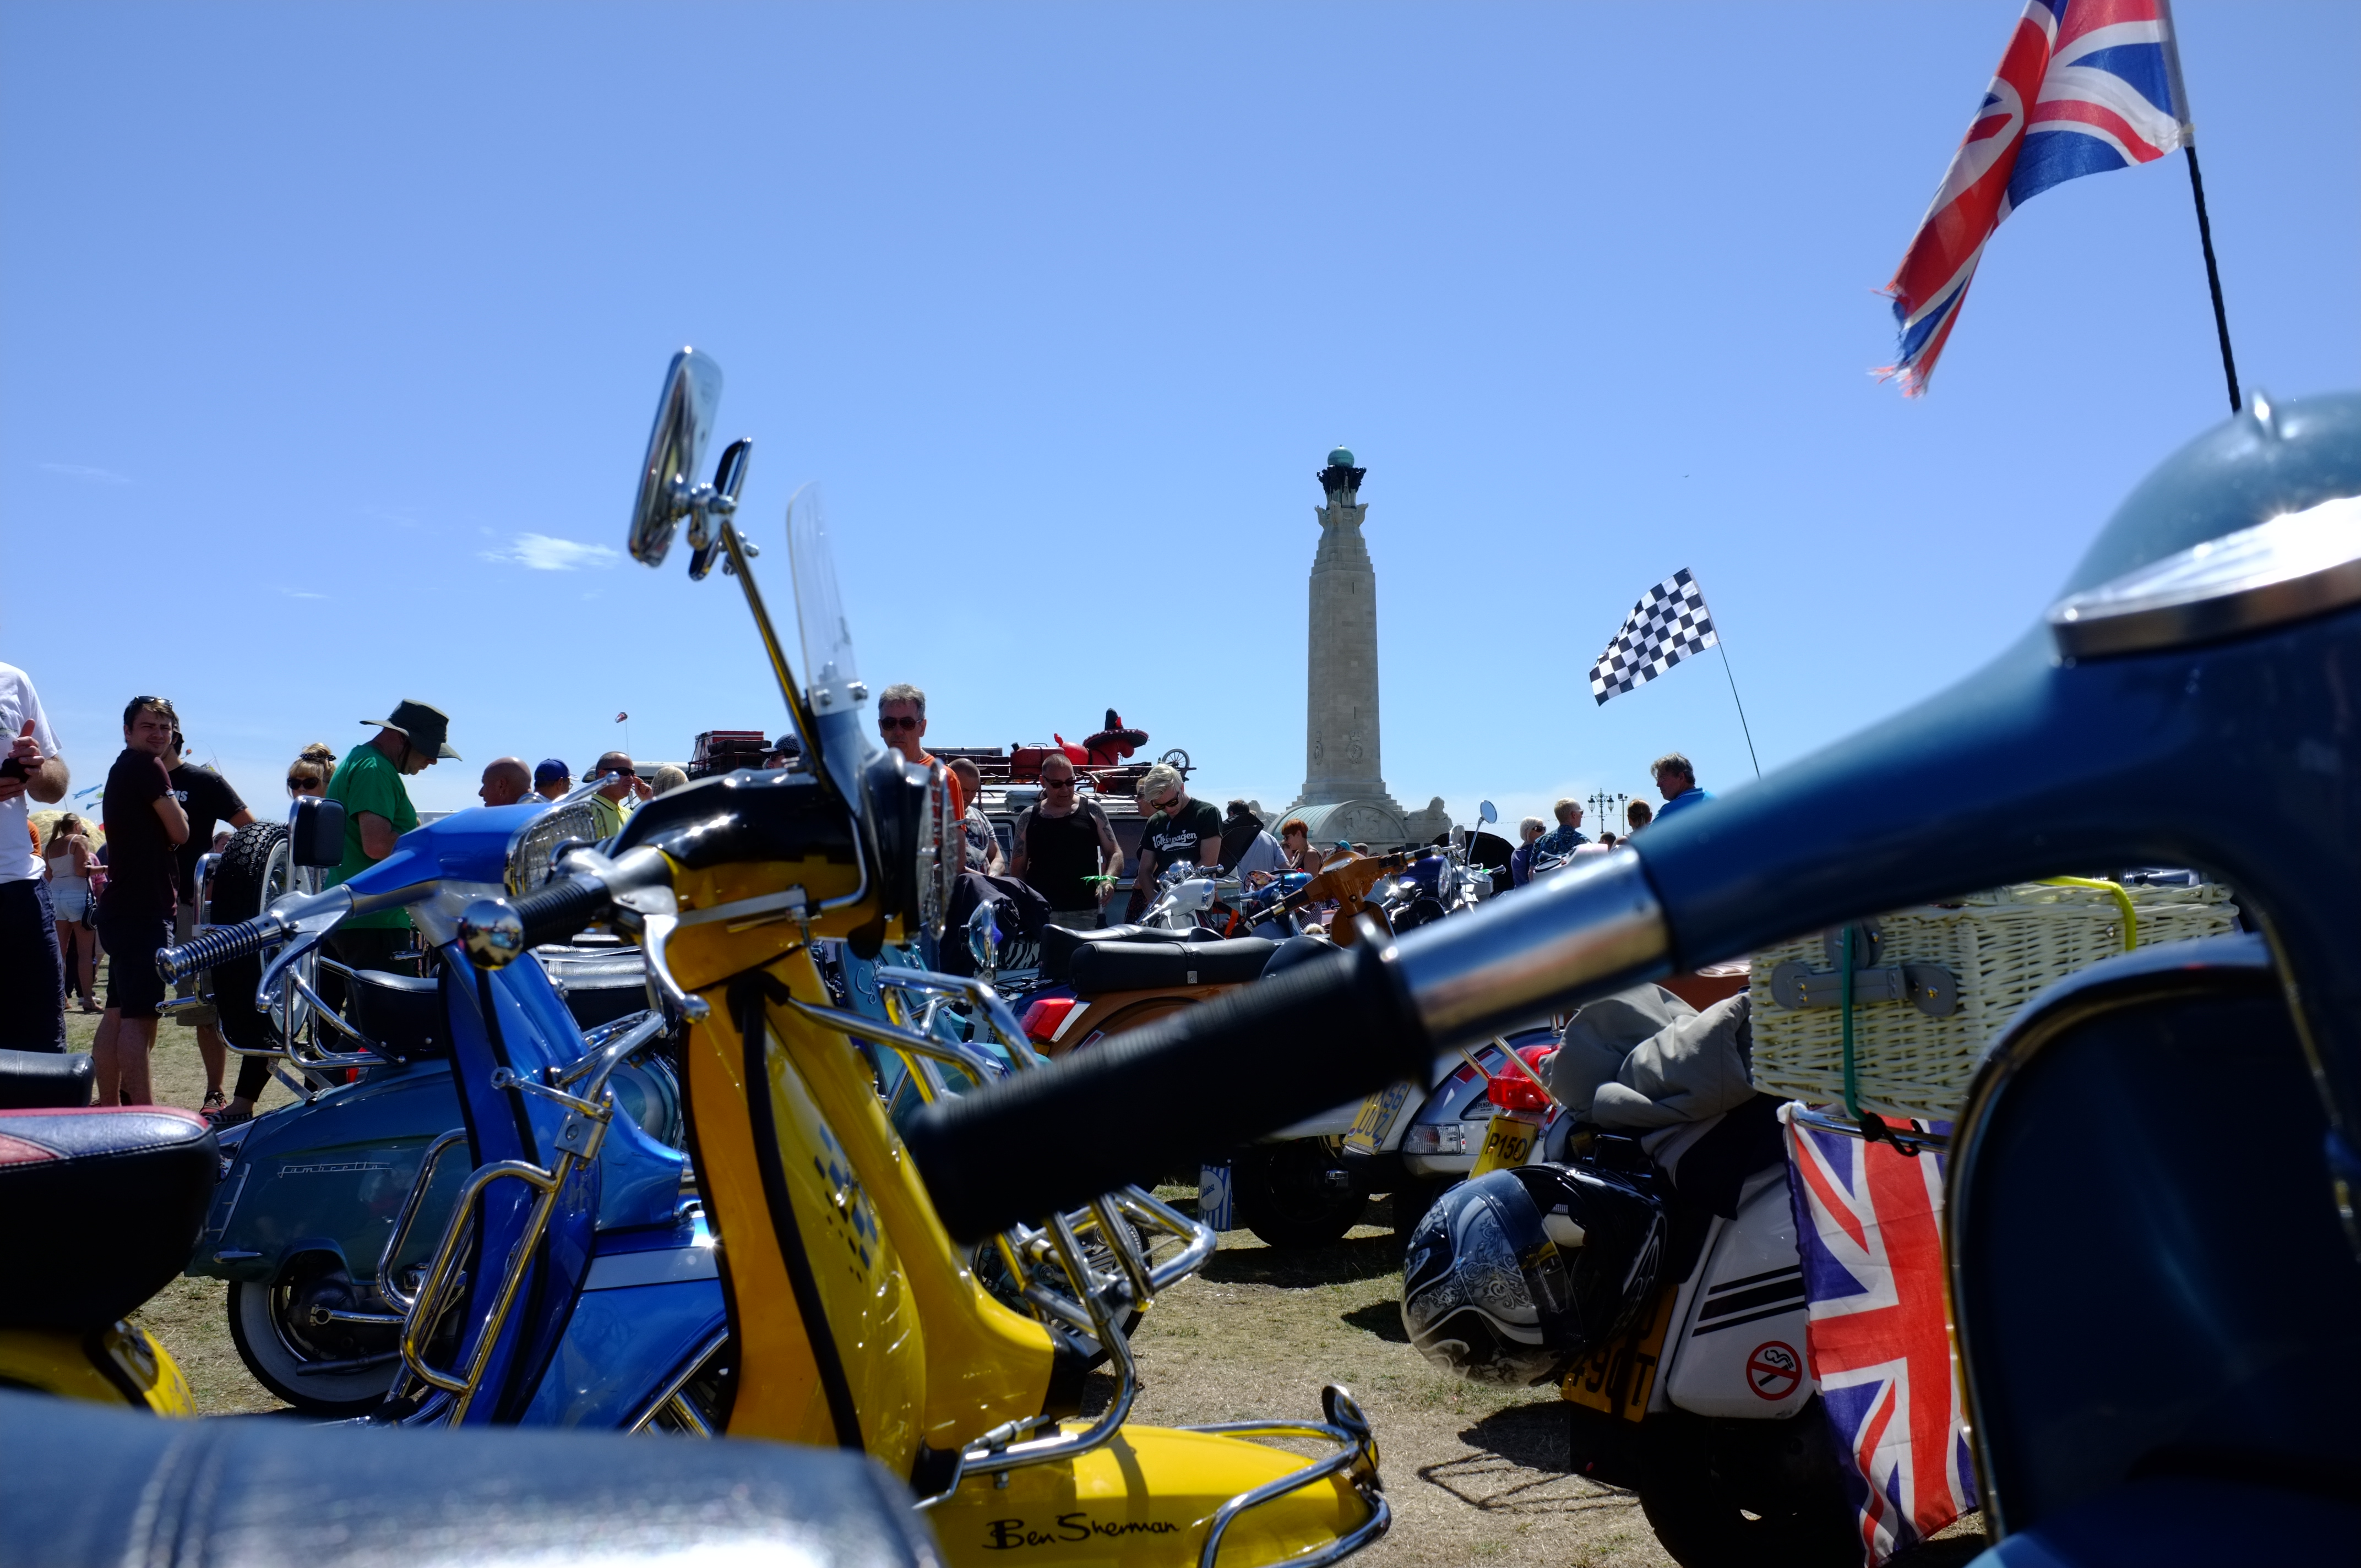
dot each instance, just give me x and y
(207, 798)
(1181, 832)
(145, 827)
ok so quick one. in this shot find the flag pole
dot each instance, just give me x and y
(2212, 273)
(2197, 190)
(1743, 726)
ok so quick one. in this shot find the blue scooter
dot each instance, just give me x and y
(560, 1184)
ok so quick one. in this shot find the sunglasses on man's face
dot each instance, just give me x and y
(888, 723)
(1066, 783)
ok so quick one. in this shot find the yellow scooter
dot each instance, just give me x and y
(857, 1320)
(98, 1210)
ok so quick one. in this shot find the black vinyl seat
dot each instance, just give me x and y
(44, 1080)
(85, 1486)
(99, 1210)
(1100, 967)
(401, 1013)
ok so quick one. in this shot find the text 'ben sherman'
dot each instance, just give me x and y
(1006, 1535)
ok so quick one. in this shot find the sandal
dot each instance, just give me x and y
(226, 1117)
(214, 1100)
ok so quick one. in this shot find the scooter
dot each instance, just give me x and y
(852, 1319)
(310, 1192)
(2203, 650)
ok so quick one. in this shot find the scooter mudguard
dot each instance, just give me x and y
(118, 1365)
(650, 1310)
(1145, 1499)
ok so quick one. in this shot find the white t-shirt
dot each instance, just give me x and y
(20, 702)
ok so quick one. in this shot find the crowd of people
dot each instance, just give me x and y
(1675, 779)
(130, 888)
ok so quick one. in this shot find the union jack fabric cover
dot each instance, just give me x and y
(1668, 624)
(1869, 1224)
(2085, 86)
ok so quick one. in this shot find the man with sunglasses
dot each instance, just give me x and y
(902, 723)
(1062, 843)
(145, 829)
(607, 806)
(1181, 831)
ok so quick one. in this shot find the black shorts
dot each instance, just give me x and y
(133, 987)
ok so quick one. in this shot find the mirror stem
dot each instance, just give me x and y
(806, 731)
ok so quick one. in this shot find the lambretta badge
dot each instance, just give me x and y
(1007, 1535)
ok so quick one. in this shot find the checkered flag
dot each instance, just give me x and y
(1667, 626)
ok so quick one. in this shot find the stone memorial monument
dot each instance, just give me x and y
(1344, 794)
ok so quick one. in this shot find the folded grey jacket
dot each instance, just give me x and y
(1642, 1058)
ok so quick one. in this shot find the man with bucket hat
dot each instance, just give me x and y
(376, 814)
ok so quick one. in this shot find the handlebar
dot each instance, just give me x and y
(219, 945)
(1140, 1103)
(561, 908)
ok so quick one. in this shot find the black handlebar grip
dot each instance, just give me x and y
(1196, 1083)
(559, 909)
(218, 946)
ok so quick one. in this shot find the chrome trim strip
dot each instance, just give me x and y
(1578, 932)
(2300, 565)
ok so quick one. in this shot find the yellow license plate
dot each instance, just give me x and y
(1618, 1378)
(1377, 1119)
(1508, 1144)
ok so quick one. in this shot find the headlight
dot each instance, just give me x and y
(919, 850)
(530, 850)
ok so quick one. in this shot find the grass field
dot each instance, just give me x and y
(1475, 1474)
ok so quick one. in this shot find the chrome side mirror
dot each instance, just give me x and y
(684, 420)
(983, 937)
(1487, 813)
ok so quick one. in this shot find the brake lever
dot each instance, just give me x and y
(656, 926)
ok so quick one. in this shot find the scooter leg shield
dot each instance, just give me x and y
(118, 1365)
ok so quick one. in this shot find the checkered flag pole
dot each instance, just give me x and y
(1668, 624)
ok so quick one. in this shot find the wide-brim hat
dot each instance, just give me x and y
(426, 728)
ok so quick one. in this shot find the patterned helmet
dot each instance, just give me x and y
(1513, 1277)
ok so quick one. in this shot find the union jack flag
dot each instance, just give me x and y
(2085, 86)
(1869, 1226)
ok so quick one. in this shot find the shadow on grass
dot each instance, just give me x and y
(1383, 1319)
(1520, 1468)
(1296, 1269)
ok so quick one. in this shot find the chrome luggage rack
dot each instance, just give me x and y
(1092, 1299)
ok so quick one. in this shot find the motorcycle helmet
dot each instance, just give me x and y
(1513, 1277)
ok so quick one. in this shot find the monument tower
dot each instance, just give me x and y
(1343, 791)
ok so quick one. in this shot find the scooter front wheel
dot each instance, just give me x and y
(318, 1374)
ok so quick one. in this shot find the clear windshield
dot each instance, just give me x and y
(832, 678)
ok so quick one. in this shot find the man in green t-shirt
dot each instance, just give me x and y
(376, 814)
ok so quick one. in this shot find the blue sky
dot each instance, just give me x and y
(330, 335)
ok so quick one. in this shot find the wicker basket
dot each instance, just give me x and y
(2000, 949)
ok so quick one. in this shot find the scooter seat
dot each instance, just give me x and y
(2193, 1521)
(85, 1487)
(44, 1080)
(1059, 944)
(1102, 967)
(99, 1208)
(401, 1013)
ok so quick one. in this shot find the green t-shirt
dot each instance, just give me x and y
(366, 781)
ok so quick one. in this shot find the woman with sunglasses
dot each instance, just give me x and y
(308, 774)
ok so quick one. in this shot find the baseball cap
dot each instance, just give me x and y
(551, 771)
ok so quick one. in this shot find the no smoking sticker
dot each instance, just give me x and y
(1773, 1370)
